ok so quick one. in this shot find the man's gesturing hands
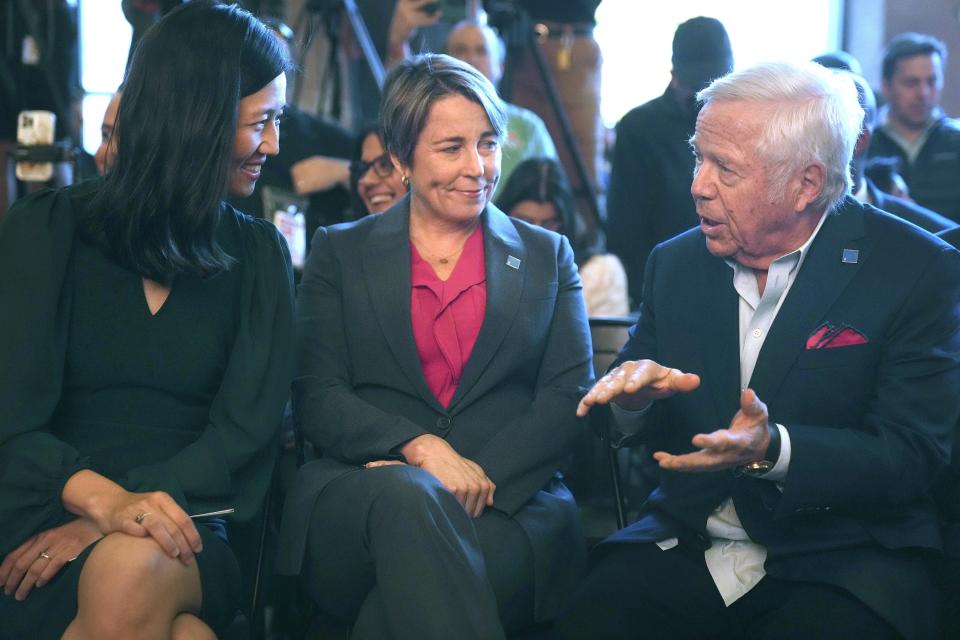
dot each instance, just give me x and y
(635, 384)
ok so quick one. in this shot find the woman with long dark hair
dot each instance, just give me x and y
(144, 350)
(538, 192)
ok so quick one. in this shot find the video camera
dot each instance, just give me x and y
(36, 150)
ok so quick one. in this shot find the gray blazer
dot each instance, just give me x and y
(360, 393)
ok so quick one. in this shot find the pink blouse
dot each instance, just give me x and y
(447, 315)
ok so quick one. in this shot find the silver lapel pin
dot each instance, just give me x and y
(513, 262)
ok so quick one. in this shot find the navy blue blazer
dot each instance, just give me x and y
(360, 392)
(870, 424)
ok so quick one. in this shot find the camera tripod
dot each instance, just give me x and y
(329, 12)
(516, 27)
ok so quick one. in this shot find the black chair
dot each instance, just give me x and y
(250, 541)
(609, 334)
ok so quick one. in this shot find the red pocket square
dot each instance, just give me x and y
(827, 336)
(846, 337)
(818, 336)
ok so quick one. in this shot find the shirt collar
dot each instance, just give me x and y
(792, 259)
(469, 271)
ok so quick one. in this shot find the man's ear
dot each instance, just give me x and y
(811, 181)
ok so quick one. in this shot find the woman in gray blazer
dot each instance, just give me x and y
(443, 349)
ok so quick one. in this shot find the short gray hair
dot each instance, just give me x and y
(816, 118)
(413, 86)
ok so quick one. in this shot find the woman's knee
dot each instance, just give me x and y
(411, 490)
(187, 626)
(152, 587)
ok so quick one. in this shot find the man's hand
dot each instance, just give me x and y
(462, 477)
(635, 384)
(37, 560)
(745, 440)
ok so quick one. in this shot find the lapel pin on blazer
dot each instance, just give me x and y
(513, 262)
(850, 256)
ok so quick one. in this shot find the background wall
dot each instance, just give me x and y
(870, 24)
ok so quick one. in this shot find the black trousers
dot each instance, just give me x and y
(640, 591)
(393, 552)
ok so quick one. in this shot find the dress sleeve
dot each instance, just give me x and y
(36, 239)
(230, 464)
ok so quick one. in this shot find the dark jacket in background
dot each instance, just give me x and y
(934, 179)
(649, 197)
(909, 211)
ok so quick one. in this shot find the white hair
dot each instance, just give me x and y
(815, 118)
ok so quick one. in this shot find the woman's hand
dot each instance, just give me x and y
(153, 514)
(37, 560)
(114, 509)
(462, 477)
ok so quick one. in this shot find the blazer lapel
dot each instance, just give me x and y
(719, 335)
(506, 266)
(386, 265)
(822, 278)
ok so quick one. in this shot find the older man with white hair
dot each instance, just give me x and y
(795, 369)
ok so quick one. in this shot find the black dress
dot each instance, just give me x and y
(186, 401)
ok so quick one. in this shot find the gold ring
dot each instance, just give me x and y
(43, 554)
(140, 517)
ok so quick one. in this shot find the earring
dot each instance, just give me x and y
(405, 180)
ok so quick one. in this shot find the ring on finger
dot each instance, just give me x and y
(141, 516)
(44, 554)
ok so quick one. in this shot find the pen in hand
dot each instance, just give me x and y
(210, 514)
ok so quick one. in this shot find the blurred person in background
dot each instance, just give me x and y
(538, 192)
(375, 182)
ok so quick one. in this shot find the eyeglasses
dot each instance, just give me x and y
(382, 166)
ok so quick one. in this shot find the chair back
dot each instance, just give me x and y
(609, 334)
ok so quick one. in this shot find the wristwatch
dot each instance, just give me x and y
(760, 467)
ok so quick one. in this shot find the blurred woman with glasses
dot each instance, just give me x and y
(375, 185)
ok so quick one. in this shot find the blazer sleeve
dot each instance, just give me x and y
(330, 414)
(36, 238)
(231, 462)
(905, 435)
(529, 449)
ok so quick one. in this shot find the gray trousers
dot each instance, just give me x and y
(394, 552)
